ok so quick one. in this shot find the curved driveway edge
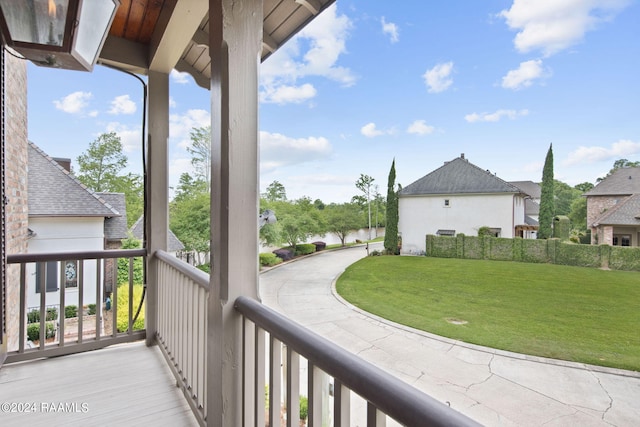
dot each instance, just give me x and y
(491, 386)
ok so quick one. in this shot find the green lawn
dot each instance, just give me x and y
(570, 313)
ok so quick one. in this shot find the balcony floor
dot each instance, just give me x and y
(127, 384)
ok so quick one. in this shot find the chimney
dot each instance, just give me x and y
(462, 156)
(65, 163)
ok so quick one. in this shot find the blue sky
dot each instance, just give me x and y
(421, 82)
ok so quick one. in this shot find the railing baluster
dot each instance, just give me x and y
(260, 362)
(293, 388)
(341, 405)
(316, 385)
(62, 312)
(248, 372)
(80, 300)
(375, 418)
(98, 298)
(275, 381)
(23, 305)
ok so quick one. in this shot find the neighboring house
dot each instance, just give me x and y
(460, 197)
(115, 230)
(174, 245)
(533, 193)
(613, 209)
(64, 216)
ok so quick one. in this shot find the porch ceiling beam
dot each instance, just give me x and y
(174, 31)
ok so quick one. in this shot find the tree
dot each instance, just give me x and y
(342, 219)
(564, 195)
(547, 203)
(132, 186)
(364, 184)
(99, 167)
(189, 187)
(297, 221)
(275, 192)
(391, 229)
(200, 151)
(190, 220)
(578, 214)
(584, 187)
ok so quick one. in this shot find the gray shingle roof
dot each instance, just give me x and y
(174, 243)
(530, 188)
(625, 181)
(115, 228)
(459, 177)
(626, 212)
(54, 192)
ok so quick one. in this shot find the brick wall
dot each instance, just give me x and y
(596, 206)
(16, 152)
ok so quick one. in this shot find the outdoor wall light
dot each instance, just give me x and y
(66, 34)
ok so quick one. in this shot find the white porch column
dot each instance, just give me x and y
(157, 215)
(235, 42)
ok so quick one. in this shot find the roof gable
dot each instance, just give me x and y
(625, 212)
(459, 177)
(624, 181)
(115, 228)
(53, 191)
(530, 188)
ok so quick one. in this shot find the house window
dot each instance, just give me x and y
(446, 203)
(622, 240)
(71, 274)
(50, 272)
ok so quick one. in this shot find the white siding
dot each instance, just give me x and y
(65, 234)
(422, 215)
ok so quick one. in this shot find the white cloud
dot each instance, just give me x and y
(277, 150)
(74, 103)
(131, 138)
(370, 130)
(552, 25)
(438, 78)
(287, 94)
(495, 116)
(420, 127)
(180, 125)
(122, 105)
(391, 29)
(618, 150)
(179, 77)
(524, 75)
(326, 39)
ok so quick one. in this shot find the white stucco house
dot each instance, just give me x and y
(460, 197)
(64, 216)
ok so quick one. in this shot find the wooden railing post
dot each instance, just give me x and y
(235, 47)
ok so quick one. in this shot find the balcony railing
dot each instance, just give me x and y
(273, 350)
(55, 334)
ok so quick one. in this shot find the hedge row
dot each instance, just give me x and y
(535, 251)
(285, 254)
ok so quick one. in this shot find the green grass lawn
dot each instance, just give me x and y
(570, 313)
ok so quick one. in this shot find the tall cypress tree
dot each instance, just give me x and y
(547, 204)
(391, 229)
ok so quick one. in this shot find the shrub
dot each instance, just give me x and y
(34, 315)
(123, 263)
(204, 267)
(304, 408)
(123, 308)
(269, 259)
(70, 311)
(33, 331)
(283, 254)
(305, 249)
(91, 309)
(375, 253)
(319, 245)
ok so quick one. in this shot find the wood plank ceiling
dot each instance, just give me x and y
(150, 34)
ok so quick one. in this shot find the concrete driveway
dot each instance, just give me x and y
(494, 387)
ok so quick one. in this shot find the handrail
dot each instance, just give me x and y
(77, 255)
(409, 405)
(198, 276)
